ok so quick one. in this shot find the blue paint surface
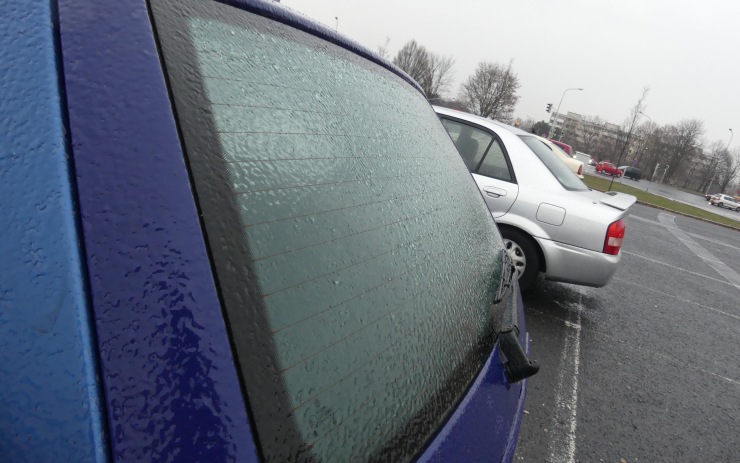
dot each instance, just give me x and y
(169, 378)
(49, 401)
(485, 426)
(480, 430)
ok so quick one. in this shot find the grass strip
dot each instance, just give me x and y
(650, 199)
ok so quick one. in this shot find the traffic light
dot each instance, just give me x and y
(549, 107)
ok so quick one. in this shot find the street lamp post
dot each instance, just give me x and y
(664, 172)
(652, 177)
(714, 174)
(336, 25)
(557, 110)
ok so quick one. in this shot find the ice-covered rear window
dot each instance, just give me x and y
(356, 259)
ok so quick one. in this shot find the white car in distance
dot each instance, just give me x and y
(723, 200)
(573, 164)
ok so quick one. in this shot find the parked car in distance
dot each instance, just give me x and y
(233, 235)
(583, 157)
(723, 200)
(550, 220)
(634, 173)
(564, 146)
(607, 168)
(573, 164)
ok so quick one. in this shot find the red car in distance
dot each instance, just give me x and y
(608, 168)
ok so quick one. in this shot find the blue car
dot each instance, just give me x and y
(230, 234)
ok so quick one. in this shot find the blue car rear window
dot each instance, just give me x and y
(356, 259)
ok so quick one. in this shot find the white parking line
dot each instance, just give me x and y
(562, 445)
(668, 221)
(663, 293)
(724, 282)
(693, 235)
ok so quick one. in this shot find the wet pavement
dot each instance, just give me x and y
(648, 367)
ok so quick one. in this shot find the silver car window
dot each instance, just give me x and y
(470, 142)
(494, 164)
(558, 168)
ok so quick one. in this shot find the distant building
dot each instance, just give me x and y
(575, 126)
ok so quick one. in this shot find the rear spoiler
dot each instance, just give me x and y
(621, 201)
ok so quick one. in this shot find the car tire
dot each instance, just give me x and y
(524, 255)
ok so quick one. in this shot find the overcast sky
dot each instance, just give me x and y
(686, 51)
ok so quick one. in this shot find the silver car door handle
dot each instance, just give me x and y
(494, 192)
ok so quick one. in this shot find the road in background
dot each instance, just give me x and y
(648, 367)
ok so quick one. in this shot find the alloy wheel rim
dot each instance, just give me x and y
(517, 257)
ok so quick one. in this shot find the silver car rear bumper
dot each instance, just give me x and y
(570, 264)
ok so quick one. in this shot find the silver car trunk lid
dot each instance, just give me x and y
(621, 201)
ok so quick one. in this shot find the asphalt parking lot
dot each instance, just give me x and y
(646, 369)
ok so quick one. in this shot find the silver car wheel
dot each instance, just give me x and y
(517, 256)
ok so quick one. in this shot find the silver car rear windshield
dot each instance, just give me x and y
(558, 168)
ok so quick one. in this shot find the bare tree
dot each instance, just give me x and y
(707, 164)
(651, 149)
(568, 132)
(729, 166)
(684, 142)
(491, 91)
(589, 133)
(383, 49)
(441, 75)
(624, 136)
(414, 60)
(644, 135)
(432, 72)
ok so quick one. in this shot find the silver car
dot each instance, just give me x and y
(550, 220)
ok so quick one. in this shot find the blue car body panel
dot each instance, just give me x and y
(49, 401)
(169, 390)
(485, 425)
(170, 382)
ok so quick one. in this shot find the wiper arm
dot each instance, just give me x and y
(517, 366)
